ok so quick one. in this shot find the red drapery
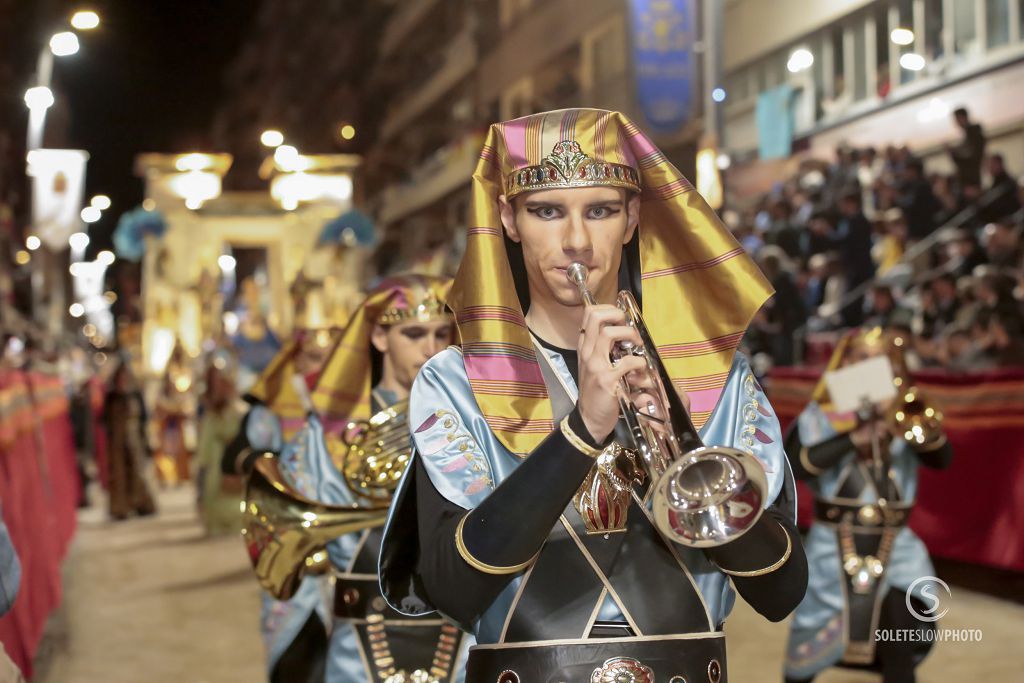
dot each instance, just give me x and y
(39, 493)
(973, 511)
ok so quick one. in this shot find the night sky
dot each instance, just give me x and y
(148, 80)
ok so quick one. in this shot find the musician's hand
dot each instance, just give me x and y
(603, 326)
(864, 435)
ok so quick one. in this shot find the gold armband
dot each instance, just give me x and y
(460, 545)
(576, 442)
(770, 568)
(809, 467)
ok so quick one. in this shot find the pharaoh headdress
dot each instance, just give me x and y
(342, 393)
(700, 289)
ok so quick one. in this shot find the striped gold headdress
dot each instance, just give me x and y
(342, 393)
(275, 390)
(700, 289)
(275, 387)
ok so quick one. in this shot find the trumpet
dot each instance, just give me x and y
(702, 496)
(286, 534)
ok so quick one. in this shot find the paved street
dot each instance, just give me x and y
(152, 601)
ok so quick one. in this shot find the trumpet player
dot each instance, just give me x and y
(524, 516)
(294, 631)
(864, 561)
(347, 454)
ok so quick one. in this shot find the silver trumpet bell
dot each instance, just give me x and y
(701, 496)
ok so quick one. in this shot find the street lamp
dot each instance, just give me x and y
(91, 214)
(272, 138)
(64, 44)
(85, 20)
(39, 98)
(61, 44)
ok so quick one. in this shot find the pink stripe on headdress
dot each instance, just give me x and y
(639, 146)
(704, 400)
(503, 368)
(514, 133)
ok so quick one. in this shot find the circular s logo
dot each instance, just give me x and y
(930, 593)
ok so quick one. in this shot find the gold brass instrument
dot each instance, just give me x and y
(376, 453)
(702, 496)
(286, 534)
(915, 418)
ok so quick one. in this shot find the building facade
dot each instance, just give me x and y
(452, 68)
(879, 72)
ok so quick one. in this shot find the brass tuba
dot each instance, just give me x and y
(286, 534)
(702, 496)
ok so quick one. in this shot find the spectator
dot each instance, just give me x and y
(869, 173)
(1001, 195)
(882, 310)
(842, 176)
(817, 239)
(963, 252)
(917, 200)
(817, 276)
(1005, 347)
(994, 291)
(939, 305)
(957, 352)
(803, 209)
(836, 286)
(784, 312)
(967, 155)
(948, 202)
(853, 239)
(888, 250)
(883, 80)
(782, 232)
(748, 238)
(818, 219)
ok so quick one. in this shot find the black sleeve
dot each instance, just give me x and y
(820, 457)
(506, 530)
(776, 593)
(938, 458)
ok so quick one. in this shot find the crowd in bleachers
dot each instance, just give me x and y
(874, 238)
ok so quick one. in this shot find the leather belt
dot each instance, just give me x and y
(866, 516)
(667, 658)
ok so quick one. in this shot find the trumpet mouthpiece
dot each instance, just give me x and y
(577, 273)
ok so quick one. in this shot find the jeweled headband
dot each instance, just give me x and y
(428, 309)
(569, 166)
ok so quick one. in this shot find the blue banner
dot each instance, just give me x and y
(774, 118)
(664, 32)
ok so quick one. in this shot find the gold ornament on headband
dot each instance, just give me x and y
(569, 166)
(429, 309)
